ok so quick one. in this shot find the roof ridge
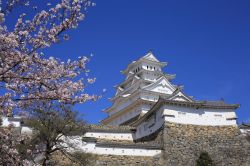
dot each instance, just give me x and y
(150, 56)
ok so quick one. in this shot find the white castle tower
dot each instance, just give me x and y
(146, 84)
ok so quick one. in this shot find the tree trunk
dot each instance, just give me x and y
(46, 155)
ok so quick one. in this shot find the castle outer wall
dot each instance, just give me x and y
(182, 145)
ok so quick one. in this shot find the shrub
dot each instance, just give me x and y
(204, 160)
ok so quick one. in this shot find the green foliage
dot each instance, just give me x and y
(204, 160)
(51, 124)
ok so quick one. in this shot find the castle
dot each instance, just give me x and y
(147, 90)
(153, 122)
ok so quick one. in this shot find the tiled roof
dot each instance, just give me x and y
(203, 104)
(130, 145)
(109, 128)
(244, 126)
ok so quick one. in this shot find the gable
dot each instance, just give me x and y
(180, 96)
(150, 57)
(162, 85)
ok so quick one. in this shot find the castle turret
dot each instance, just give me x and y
(145, 82)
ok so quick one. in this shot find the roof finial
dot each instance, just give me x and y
(150, 51)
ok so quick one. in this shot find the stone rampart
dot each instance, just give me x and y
(184, 143)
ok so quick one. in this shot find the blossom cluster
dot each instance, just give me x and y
(26, 75)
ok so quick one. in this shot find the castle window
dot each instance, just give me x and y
(218, 115)
(181, 114)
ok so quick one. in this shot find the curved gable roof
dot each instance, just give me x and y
(163, 83)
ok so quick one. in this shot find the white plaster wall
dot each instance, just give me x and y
(179, 98)
(6, 122)
(245, 131)
(123, 104)
(149, 97)
(92, 148)
(209, 117)
(146, 128)
(149, 76)
(131, 114)
(26, 130)
(110, 136)
(157, 68)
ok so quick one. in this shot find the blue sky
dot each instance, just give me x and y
(205, 42)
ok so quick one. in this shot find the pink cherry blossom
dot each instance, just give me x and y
(26, 75)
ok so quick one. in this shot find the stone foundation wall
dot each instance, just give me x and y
(182, 145)
(225, 145)
(110, 160)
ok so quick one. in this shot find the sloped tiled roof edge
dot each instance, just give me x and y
(244, 126)
(131, 145)
(109, 128)
(195, 104)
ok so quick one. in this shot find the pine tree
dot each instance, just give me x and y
(204, 160)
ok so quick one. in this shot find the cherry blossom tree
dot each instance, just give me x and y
(54, 126)
(26, 75)
(8, 152)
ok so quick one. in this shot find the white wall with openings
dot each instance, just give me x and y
(110, 135)
(201, 116)
(91, 147)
